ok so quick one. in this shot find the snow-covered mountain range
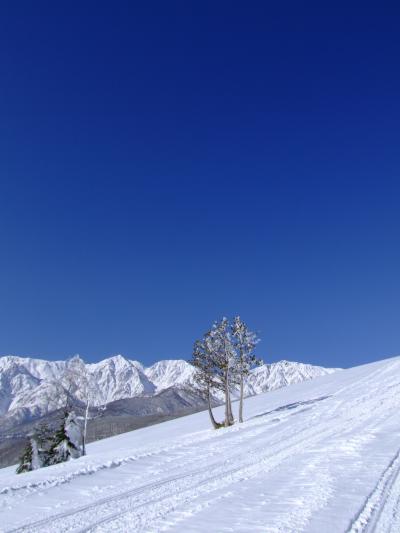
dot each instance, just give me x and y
(31, 388)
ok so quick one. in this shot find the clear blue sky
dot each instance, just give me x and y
(166, 163)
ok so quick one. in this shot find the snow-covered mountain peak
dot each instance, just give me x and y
(116, 378)
(170, 372)
(115, 362)
(138, 364)
(280, 374)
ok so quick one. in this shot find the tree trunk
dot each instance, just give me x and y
(231, 419)
(226, 421)
(241, 399)
(215, 424)
(228, 409)
(85, 428)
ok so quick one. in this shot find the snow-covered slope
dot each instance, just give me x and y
(31, 388)
(320, 456)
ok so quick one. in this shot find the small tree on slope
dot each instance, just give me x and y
(36, 453)
(66, 441)
(27, 460)
(215, 362)
(225, 363)
(77, 380)
(245, 342)
(205, 375)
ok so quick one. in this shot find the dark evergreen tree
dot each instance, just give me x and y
(36, 451)
(65, 443)
(25, 461)
(43, 437)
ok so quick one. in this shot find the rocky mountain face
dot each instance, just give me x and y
(31, 388)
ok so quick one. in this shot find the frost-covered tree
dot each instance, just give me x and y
(223, 359)
(205, 375)
(27, 461)
(225, 363)
(215, 362)
(36, 453)
(66, 442)
(244, 342)
(77, 381)
(43, 438)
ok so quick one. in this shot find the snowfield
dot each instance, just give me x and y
(321, 456)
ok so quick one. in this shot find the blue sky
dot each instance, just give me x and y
(163, 165)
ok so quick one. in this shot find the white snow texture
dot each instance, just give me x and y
(31, 388)
(322, 456)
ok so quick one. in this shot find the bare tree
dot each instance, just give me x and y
(78, 381)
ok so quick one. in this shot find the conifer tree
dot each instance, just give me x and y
(36, 452)
(25, 461)
(205, 375)
(245, 342)
(223, 359)
(225, 363)
(43, 438)
(66, 440)
(215, 362)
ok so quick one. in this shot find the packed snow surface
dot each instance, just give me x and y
(322, 456)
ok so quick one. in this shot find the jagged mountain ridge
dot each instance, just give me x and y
(31, 388)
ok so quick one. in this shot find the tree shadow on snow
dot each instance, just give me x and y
(293, 405)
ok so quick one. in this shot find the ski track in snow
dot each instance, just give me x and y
(381, 512)
(307, 436)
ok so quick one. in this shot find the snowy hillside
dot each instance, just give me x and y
(321, 456)
(30, 388)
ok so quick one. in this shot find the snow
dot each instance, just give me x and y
(73, 430)
(318, 456)
(116, 378)
(169, 373)
(273, 376)
(30, 388)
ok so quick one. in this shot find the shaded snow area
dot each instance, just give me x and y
(321, 456)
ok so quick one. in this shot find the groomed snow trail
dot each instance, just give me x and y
(318, 456)
(381, 512)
